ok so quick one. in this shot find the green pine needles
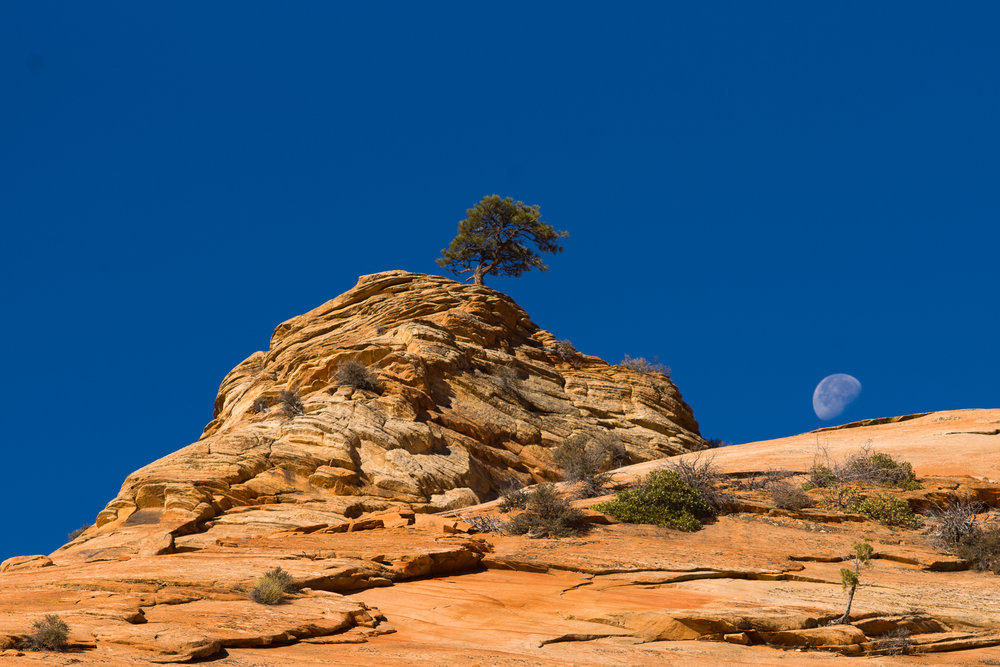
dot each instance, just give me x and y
(500, 237)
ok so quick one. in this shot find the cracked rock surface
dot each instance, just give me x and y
(367, 498)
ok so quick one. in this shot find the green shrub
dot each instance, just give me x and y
(662, 498)
(886, 509)
(703, 476)
(357, 375)
(863, 467)
(547, 514)
(271, 588)
(49, 634)
(877, 468)
(821, 476)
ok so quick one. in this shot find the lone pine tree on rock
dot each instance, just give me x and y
(500, 237)
(850, 579)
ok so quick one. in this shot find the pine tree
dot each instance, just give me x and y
(849, 579)
(500, 237)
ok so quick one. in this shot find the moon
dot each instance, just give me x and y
(833, 394)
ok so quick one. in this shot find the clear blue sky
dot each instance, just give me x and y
(760, 194)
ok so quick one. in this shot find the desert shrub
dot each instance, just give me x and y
(981, 548)
(951, 523)
(271, 588)
(640, 365)
(486, 524)
(894, 642)
(260, 405)
(759, 480)
(820, 476)
(873, 467)
(585, 458)
(547, 514)
(865, 466)
(715, 443)
(512, 498)
(508, 378)
(357, 375)
(565, 351)
(787, 497)
(290, 402)
(49, 634)
(78, 532)
(662, 498)
(703, 476)
(886, 509)
(842, 497)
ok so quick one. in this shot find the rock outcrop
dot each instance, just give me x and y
(368, 500)
(472, 396)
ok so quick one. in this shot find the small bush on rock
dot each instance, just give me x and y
(513, 498)
(952, 523)
(565, 351)
(260, 405)
(760, 480)
(547, 514)
(662, 498)
(787, 497)
(640, 365)
(866, 466)
(872, 467)
(886, 509)
(271, 588)
(357, 375)
(584, 458)
(508, 378)
(820, 476)
(895, 642)
(703, 476)
(486, 524)
(49, 634)
(290, 402)
(78, 532)
(981, 548)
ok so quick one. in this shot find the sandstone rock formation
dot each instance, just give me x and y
(473, 396)
(367, 499)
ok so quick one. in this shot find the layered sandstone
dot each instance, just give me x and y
(367, 500)
(473, 396)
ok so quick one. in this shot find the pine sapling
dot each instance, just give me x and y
(850, 579)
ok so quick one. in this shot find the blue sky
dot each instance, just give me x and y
(760, 194)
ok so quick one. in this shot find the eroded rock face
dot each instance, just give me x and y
(759, 585)
(473, 396)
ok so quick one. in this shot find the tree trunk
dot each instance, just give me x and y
(477, 275)
(850, 599)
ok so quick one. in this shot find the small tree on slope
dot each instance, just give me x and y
(849, 579)
(497, 237)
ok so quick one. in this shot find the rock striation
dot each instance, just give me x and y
(368, 498)
(472, 396)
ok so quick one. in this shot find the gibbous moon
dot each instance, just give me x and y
(833, 394)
